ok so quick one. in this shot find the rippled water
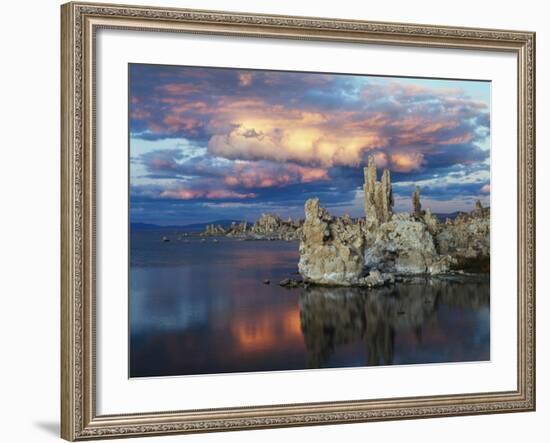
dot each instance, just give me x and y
(202, 307)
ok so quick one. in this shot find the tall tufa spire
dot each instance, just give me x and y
(417, 213)
(378, 194)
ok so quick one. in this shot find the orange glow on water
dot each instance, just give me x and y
(268, 331)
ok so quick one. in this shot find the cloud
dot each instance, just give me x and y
(400, 162)
(460, 184)
(180, 175)
(406, 161)
(245, 79)
(311, 119)
(267, 174)
(260, 139)
(257, 130)
(178, 89)
(173, 164)
(211, 194)
(300, 138)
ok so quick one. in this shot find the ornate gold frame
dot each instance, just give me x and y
(79, 21)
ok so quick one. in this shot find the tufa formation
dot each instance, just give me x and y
(267, 227)
(378, 195)
(372, 251)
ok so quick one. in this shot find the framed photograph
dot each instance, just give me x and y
(282, 221)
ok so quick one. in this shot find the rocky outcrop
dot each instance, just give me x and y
(402, 243)
(378, 195)
(417, 213)
(404, 246)
(425, 216)
(467, 239)
(479, 211)
(376, 279)
(431, 221)
(237, 229)
(331, 248)
(343, 251)
(267, 224)
(267, 227)
(273, 227)
(213, 230)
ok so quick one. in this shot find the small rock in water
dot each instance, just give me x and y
(284, 282)
(203, 240)
(165, 239)
(266, 282)
(215, 240)
(290, 283)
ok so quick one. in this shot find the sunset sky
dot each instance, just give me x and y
(209, 143)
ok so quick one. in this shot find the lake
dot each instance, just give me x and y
(202, 307)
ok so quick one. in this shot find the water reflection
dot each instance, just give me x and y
(203, 308)
(333, 317)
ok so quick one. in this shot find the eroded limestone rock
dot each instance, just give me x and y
(431, 222)
(376, 279)
(402, 245)
(331, 248)
(267, 224)
(417, 213)
(271, 226)
(343, 251)
(378, 194)
(213, 230)
(267, 227)
(467, 239)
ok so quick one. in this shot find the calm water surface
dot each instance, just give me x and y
(202, 307)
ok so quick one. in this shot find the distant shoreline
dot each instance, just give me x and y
(200, 227)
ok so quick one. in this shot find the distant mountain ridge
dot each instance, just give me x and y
(194, 227)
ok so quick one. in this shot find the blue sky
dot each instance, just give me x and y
(212, 143)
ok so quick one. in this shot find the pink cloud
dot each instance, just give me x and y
(291, 135)
(245, 79)
(178, 88)
(245, 126)
(215, 194)
(381, 159)
(486, 189)
(252, 175)
(140, 114)
(406, 161)
(178, 122)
